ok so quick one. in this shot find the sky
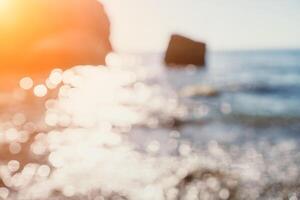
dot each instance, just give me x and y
(146, 25)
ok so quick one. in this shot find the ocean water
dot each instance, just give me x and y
(138, 130)
(258, 90)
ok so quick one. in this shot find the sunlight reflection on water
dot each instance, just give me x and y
(80, 145)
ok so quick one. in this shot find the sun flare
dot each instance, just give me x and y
(5, 6)
(3, 3)
(39, 35)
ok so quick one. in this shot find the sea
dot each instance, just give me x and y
(139, 130)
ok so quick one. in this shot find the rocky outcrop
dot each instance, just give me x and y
(183, 51)
(38, 35)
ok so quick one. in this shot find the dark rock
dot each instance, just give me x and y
(183, 51)
(38, 35)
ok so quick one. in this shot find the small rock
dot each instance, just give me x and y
(184, 52)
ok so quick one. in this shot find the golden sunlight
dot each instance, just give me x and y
(38, 36)
(81, 121)
(5, 10)
(3, 4)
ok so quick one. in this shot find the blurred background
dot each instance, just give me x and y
(98, 113)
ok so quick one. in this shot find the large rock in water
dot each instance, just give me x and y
(38, 35)
(183, 51)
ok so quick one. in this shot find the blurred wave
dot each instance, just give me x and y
(124, 132)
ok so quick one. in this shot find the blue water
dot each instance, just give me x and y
(255, 83)
(128, 130)
(261, 89)
(268, 83)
